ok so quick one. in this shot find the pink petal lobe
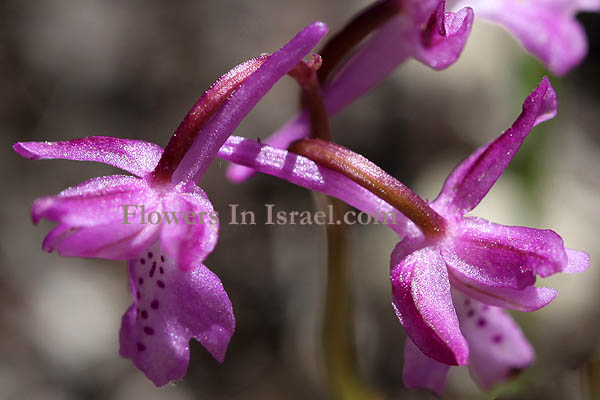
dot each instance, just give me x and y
(113, 241)
(55, 236)
(472, 179)
(135, 156)
(547, 29)
(498, 348)
(444, 38)
(170, 307)
(578, 261)
(504, 256)
(422, 372)
(528, 299)
(93, 219)
(190, 226)
(94, 202)
(423, 303)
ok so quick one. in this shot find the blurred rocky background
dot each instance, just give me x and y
(71, 68)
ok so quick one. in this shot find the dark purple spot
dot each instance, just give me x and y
(161, 270)
(148, 330)
(141, 346)
(150, 255)
(138, 295)
(144, 314)
(141, 281)
(142, 261)
(154, 305)
(470, 313)
(497, 338)
(514, 372)
(162, 258)
(153, 269)
(160, 284)
(467, 302)
(481, 322)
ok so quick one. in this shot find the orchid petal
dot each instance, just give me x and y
(55, 236)
(422, 372)
(473, 178)
(504, 256)
(191, 232)
(423, 303)
(92, 219)
(529, 299)
(444, 38)
(94, 202)
(306, 173)
(548, 29)
(578, 261)
(113, 241)
(498, 348)
(583, 5)
(135, 156)
(488, 272)
(171, 306)
(226, 120)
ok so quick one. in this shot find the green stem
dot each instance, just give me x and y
(343, 378)
(343, 375)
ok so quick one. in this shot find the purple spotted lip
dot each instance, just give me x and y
(175, 296)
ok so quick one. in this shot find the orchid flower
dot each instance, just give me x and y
(175, 296)
(424, 31)
(489, 267)
(452, 276)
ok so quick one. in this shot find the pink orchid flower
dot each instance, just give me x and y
(175, 296)
(488, 267)
(452, 276)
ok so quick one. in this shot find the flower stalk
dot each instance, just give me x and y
(343, 377)
(305, 74)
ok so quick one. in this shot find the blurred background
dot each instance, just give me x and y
(70, 69)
